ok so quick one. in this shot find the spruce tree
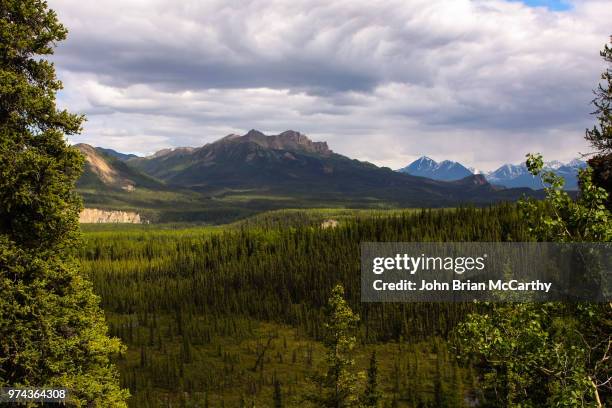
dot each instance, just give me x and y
(278, 397)
(371, 395)
(52, 330)
(339, 384)
(600, 136)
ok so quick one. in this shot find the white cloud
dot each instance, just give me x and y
(479, 81)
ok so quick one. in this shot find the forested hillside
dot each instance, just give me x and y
(188, 300)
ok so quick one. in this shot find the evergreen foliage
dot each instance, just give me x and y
(338, 387)
(371, 395)
(600, 136)
(278, 396)
(217, 286)
(282, 273)
(52, 331)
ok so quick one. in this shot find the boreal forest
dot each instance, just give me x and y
(223, 296)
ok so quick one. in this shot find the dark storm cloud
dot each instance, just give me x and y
(174, 69)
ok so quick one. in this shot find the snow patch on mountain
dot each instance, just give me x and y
(508, 175)
(446, 170)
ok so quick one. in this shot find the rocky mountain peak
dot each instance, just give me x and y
(287, 140)
(446, 170)
(231, 136)
(293, 139)
(424, 162)
(254, 133)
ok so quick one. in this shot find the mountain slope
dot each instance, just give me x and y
(446, 170)
(291, 166)
(116, 154)
(103, 171)
(110, 184)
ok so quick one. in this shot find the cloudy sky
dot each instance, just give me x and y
(479, 81)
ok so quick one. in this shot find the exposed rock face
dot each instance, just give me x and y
(329, 224)
(105, 172)
(475, 179)
(96, 216)
(288, 140)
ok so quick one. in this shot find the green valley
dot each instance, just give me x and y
(198, 306)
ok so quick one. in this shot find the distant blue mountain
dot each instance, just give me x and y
(508, 175)
(517, 175)
(446, 170)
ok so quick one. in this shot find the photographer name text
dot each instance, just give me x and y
(459, 285)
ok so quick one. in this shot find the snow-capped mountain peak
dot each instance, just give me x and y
(577, 163)
(553, 165)
(446, 170)
(517, 175)
(508, 171)
(508, 175)
(423, 163)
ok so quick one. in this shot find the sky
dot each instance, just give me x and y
(482, 82)
(557, 5)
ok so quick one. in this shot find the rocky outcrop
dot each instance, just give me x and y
(329, 224)
(96, 216)
(288, 140)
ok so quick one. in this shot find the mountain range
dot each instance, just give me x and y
(446, 170)
(507, 175)
(255, 171)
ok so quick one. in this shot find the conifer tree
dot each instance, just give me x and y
(339, 384)
(600, 136)
(371, 395)
(278, 397)
(52, 330)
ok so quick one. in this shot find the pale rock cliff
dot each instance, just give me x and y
(96, 216)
